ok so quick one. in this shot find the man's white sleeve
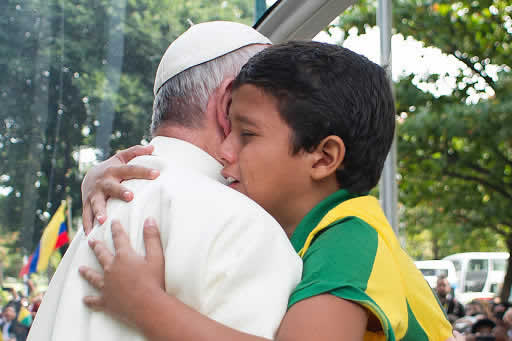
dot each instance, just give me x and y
(251, 271)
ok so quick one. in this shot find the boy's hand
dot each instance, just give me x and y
(128, 278)
(104, 181)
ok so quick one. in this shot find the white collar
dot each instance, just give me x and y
(186, 154)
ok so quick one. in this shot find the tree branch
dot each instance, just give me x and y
(497, 230)
(469, 64)
(477, 168)
(500, 154)
(480, 181)
(480, 224)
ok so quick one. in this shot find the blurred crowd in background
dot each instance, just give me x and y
(478, 320)
(18, 313)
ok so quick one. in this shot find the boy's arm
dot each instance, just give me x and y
(132, 290)
(321, 318)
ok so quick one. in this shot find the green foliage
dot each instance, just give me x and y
(69, 69)
(456, 160)
(455, 156)
(11, 258)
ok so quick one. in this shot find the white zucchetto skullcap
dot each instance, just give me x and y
(202, 43)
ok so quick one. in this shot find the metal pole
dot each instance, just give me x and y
(260, 6)
(388, 187)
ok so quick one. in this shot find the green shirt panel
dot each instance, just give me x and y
(339, 262)
(340, 257)
(309, 222)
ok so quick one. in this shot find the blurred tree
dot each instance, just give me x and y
(455, 151)
(75, 74)
(10, 257)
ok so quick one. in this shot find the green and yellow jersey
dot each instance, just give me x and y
(350, 251)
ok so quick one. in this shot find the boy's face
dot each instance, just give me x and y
(257, 155)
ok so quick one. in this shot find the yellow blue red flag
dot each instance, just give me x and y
(54, 236)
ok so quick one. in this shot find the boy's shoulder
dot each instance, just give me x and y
(341, 219)
(345, 250)
(345, 235)
(353, 257)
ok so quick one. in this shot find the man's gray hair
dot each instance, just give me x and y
(182, 100)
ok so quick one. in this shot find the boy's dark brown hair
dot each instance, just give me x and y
(323, 90)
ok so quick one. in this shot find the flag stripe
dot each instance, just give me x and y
(35, 260)
(25, 269)
(62, 238)
(49, 237)
(54, 236)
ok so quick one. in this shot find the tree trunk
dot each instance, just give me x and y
(435, 247)
(1, 274)
(507, 282)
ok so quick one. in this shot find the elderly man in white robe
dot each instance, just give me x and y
(224, 255)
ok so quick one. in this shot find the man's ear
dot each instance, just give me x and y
(222, 103)
(327, 157)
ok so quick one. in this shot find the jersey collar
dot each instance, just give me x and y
(314, 216)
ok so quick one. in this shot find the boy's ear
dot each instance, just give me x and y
(328, 156)
(222, 103)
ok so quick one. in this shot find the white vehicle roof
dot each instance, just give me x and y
(478, 255)
(433, 264)
(437, 267)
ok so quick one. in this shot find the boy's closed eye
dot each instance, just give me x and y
(246, 135)
(244, 132)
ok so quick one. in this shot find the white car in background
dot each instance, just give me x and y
(480, 274)
(432, 269)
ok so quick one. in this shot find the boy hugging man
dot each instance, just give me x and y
(312, 124)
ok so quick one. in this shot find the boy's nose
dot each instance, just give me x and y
(227, 151)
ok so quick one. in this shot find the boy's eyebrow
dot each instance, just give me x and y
(240, 118)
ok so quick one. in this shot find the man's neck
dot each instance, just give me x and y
(204, 138)
(193, 136)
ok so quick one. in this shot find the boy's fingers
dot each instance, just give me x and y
(98, 207)
(94, 278)
(152, 243)
(127, 172)
(94, 302)
(87, 218)
(102, 253)
(119, 236)
(111, 188)
(129, 153)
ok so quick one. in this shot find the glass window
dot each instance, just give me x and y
(261, 7)
(428, 272)
(442, 272)
(476, 275)
(478, 265)
(76, 85)
(499, 264)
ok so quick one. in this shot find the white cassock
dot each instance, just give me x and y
(224, 255)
